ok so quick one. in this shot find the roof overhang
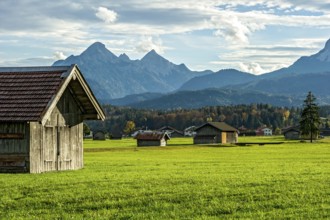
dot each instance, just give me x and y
(74, 74)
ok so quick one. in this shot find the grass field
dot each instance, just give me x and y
(181, 181)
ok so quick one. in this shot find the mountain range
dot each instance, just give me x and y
(155, 82)
(121, 76)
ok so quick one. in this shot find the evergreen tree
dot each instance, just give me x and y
(86, 129)
(310, 119)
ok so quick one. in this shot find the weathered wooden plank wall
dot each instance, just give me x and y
(14, 147)
(36, 149)
(141, 143)
(204, 140)
(208, 130)
(61, 139)
(232, 137)
(204, 135)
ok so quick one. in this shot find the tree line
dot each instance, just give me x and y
(250, 116)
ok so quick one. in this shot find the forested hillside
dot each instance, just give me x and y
(250, 116)
(212, 97)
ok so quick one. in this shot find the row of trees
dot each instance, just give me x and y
(126, 120)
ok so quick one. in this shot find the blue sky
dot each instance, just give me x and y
(256, 36)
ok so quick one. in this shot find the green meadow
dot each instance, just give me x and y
(180, 181)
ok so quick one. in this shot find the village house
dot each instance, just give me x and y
(264, 131)
(42, 110)
(152, 139)
(172, 132)
(216, 132)
(190, 131)
(267, 131)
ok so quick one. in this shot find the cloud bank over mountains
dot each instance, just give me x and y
(206, 34)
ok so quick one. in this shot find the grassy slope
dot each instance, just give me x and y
(179, 181)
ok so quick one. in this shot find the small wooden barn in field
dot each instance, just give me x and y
(292, 133)
(325, 132)
(99, 135)
(152, 139)
(41, 118)
(215, 132)
(116, 136)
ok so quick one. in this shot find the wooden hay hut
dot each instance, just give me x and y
(116, 136)
(292, 133)
(325, 132)
(99, 136)
(41, 118)
(152, 139)
(215, 132)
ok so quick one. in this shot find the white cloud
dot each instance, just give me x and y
(232, 29)
(71, 27)
(251, 68)
(147, 43)
(75, 6)
(108, 16)
(59, 55)
(263, 58)
(37, 61)
(258, 69)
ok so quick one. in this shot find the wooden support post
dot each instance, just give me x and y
(58, 139)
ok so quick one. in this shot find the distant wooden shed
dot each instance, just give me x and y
(99, 135)
(215, 132)
(325, 132)
(41, 118)
(172, 132)
(152, 139)
(116, 136)
(292, 133)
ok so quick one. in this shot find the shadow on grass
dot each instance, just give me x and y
(103, 149)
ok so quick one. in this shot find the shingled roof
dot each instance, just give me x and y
(169, 128)
(219, 125)
(152, 136)
(31, 93)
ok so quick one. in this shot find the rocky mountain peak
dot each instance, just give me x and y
(124, 57)
(327, 45)
(324, 54)
(153, 56)
(113, 77)
(98, 49)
